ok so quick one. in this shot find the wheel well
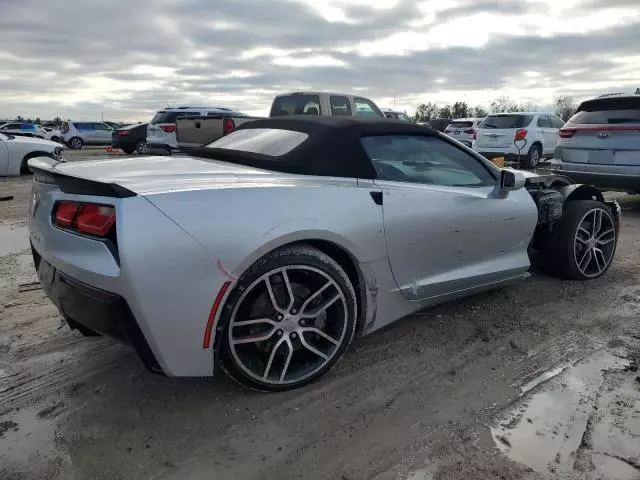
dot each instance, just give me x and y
(534, 144)
(349, 265)
(585, 192)
(23, 165)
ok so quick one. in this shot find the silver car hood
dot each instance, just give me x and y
(146, 175)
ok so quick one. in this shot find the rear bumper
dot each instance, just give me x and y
(93, 309)
(612, 177)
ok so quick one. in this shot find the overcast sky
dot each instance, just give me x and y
(129, 58)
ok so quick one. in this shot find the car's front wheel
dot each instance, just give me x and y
(586, 240)
(290, 318)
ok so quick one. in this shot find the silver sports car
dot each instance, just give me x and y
(270, 249)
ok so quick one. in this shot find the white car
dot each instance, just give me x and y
(161, 132)
(78, 134)
(463, 129)
(16, 150)
(527, 136)
(52, 134)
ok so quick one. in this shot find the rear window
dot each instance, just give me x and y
(461, 124)
(608, 111)
(265, 141)
(506, 121)
(170, 117)
(295, 105)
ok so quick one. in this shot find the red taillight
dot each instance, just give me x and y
(123, 133)
(566, 132)
(86, 218)
(66, 213)
(169, 128)
(475, 134)
(228, 125)
(521, 134)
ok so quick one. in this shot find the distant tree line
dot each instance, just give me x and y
(564, 107)
(37, 120)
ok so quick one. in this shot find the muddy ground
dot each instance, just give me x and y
(533, 381)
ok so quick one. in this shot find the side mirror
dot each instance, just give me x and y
(511, 180)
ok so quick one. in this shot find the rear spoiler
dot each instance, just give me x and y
(43, 172)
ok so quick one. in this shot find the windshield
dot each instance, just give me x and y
(265, 141)
(608, 111)
(506, 121)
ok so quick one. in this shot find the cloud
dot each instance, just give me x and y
(128, 59)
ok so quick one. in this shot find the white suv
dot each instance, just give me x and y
(77, 134)
(500, 135)
(161, 132)
(463, 129)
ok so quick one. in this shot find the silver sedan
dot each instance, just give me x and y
(270, 249)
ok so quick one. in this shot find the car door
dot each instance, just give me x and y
(102, 133)
(85, 131)
(445, 228)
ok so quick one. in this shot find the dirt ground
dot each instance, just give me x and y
(533, 381)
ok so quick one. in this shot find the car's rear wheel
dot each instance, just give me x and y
(290, 318)
(76, 143)
(141, 146)
(586, 240)
(533, 157)
(55, 139)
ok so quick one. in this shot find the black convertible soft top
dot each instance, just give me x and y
(333, 148)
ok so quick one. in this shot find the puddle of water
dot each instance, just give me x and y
(422, 474)
(33, 438)
(546, 429)
(14, 238)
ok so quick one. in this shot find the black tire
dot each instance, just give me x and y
(533, 157)
(567, 249)
(55, 139)
(294, 255)
(75, 143)
(128, 150)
